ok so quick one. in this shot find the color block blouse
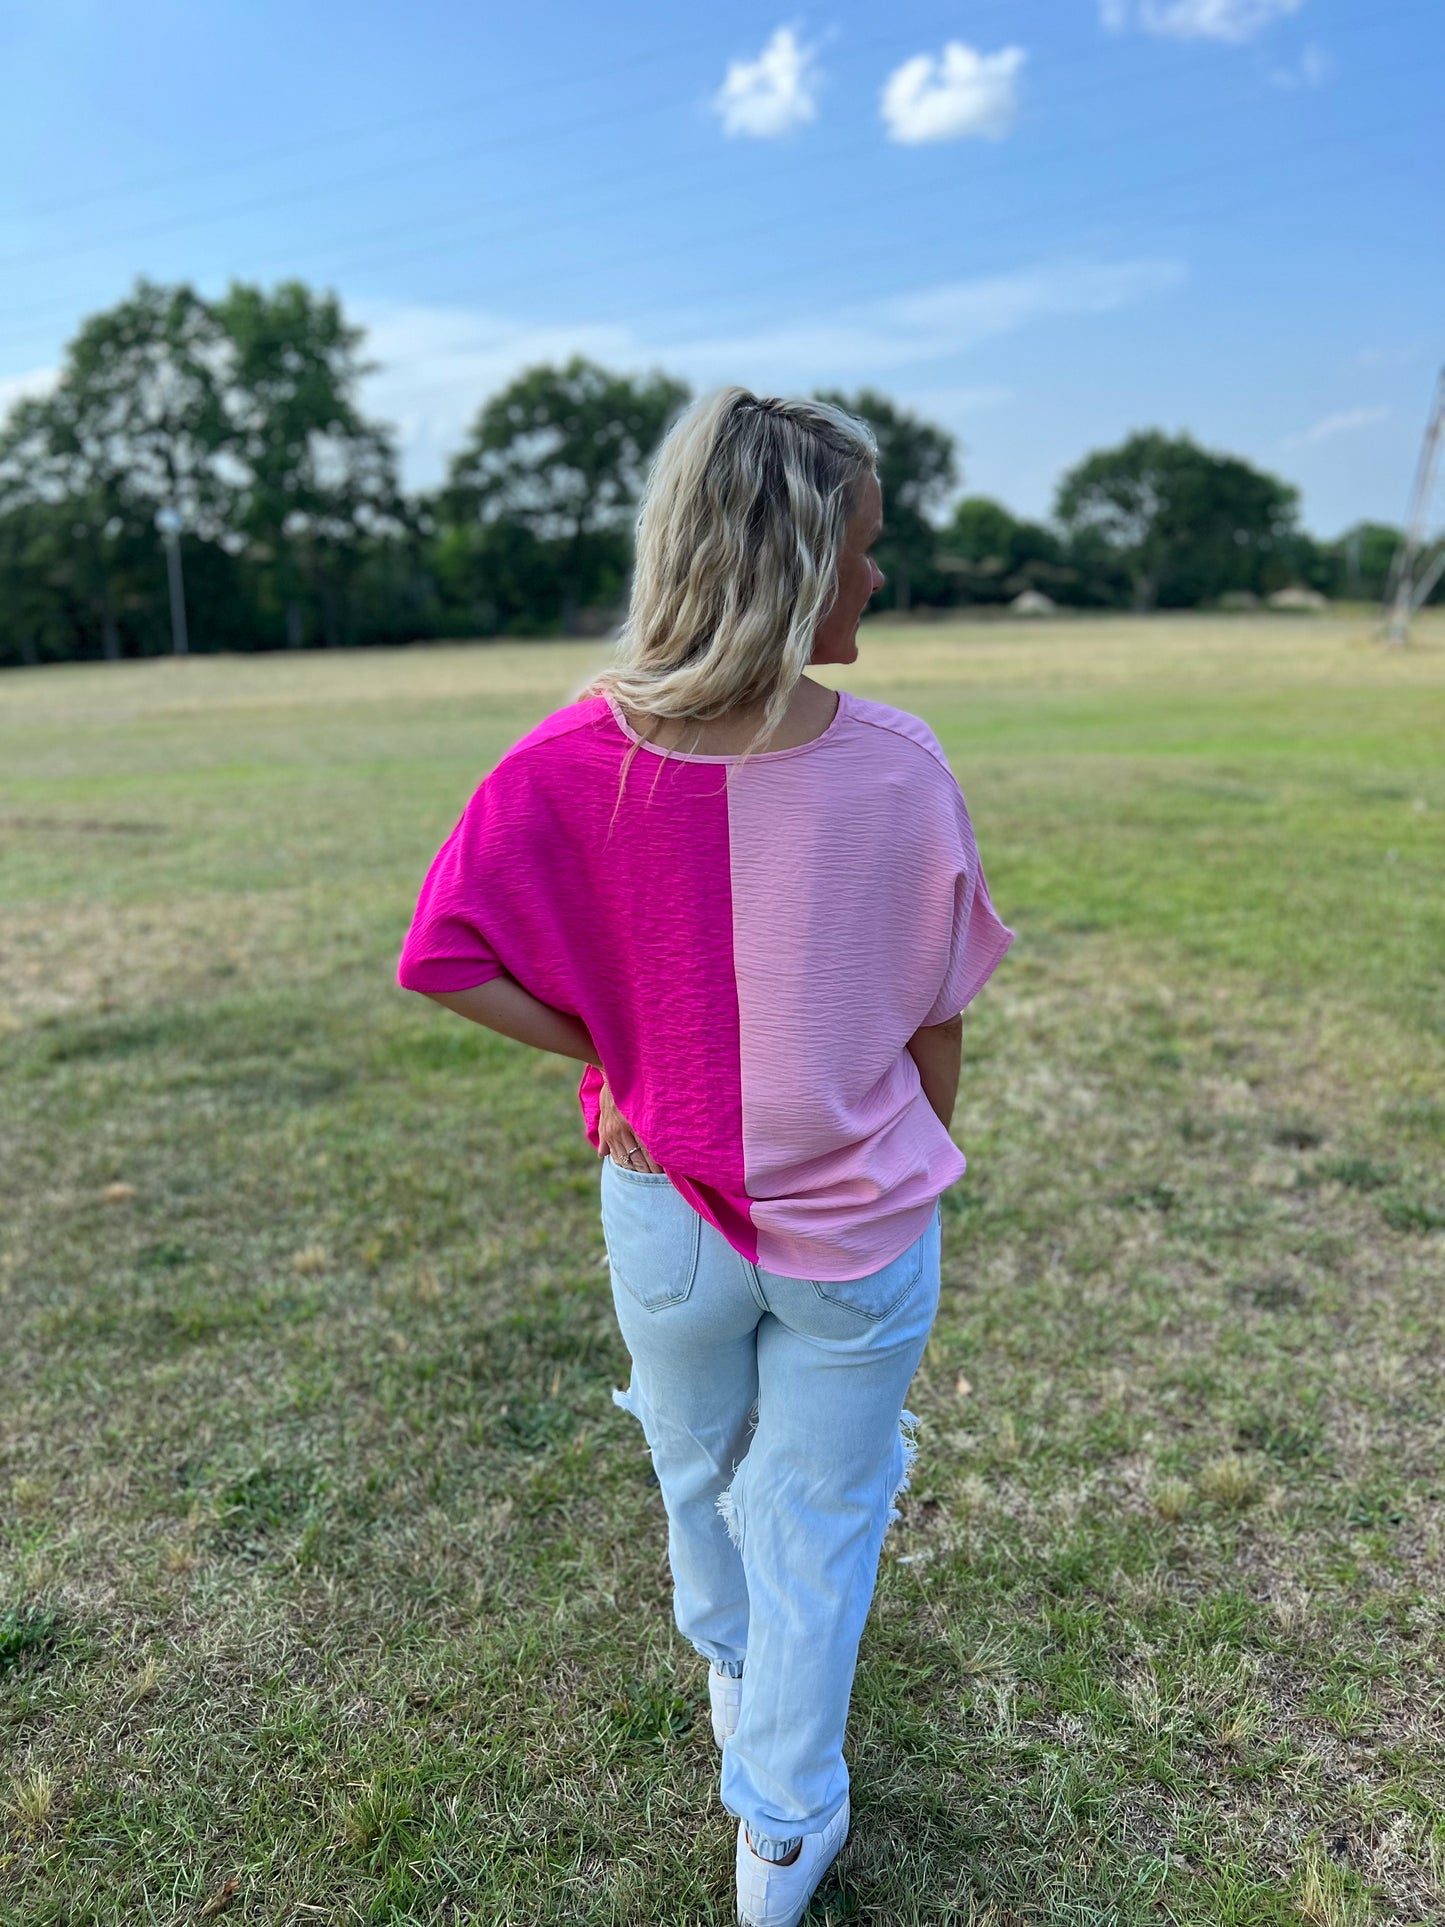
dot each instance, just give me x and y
(750, 943)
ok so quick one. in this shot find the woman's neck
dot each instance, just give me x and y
(811, 708)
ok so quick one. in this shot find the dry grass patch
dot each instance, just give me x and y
(97, 957)
(1172, 1497)
(31, 1800)
(1228, 1480)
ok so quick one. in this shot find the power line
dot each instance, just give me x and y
(1257, 163)
(428, 118)
(1004, 222)
(759, 316)
(822, 162)
(503, 144)
(209, 217)
(463, 224)
(289, 196)
(981, 11)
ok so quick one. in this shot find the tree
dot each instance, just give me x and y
(317, 481)
(1362, 559)
(135, 423)
(562, 453)
(1186, 524)
(38, 620)
(993, 555)
(496, 578)
(240, 413)
(917, 467)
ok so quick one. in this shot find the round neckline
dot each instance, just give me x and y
(736, 756)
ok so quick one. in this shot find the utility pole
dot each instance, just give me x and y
(170, 522)
(1414, 570)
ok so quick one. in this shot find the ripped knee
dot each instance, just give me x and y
(905, 1451)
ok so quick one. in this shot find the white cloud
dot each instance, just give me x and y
(962, 313)
(961, 93)
(1313, 68)
(36, 381)
(439, 364)
(771, 95)
(1349, 421)
(932, 325)
(1233, 21)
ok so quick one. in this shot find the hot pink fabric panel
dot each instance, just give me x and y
(626, 923)
(859, 913)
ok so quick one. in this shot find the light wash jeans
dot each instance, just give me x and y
(773, 1410)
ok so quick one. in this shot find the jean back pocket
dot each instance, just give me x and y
(881, 1292)
(653, 1235)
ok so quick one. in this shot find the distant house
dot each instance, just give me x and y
(1299, 598)
(1033, 602)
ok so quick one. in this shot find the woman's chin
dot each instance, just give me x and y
(836, 649)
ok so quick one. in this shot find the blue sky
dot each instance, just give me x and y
(1040, 222)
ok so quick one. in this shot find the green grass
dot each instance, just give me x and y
(327, 1567)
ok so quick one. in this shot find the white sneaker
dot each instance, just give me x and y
(770, 1895)
(727, 1703)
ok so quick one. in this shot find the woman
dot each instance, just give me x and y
(753, 908)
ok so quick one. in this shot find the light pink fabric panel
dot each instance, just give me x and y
(858, 915)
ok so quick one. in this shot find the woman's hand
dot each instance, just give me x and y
(618, 1139)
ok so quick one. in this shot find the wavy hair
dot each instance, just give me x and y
(739, 535)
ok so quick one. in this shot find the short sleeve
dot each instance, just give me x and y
(446, 948)
(979, 939)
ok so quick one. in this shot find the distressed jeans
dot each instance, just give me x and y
(773, 1409)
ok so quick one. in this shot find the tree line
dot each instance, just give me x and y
(238, 422)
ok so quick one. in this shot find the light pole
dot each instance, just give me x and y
(170, 522)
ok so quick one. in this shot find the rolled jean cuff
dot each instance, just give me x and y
(769, 1846)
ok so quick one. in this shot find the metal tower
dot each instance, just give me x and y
(1419, 561)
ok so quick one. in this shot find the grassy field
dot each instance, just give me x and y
(333, 1586)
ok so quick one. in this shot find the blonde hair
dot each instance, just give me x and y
(739, 535)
